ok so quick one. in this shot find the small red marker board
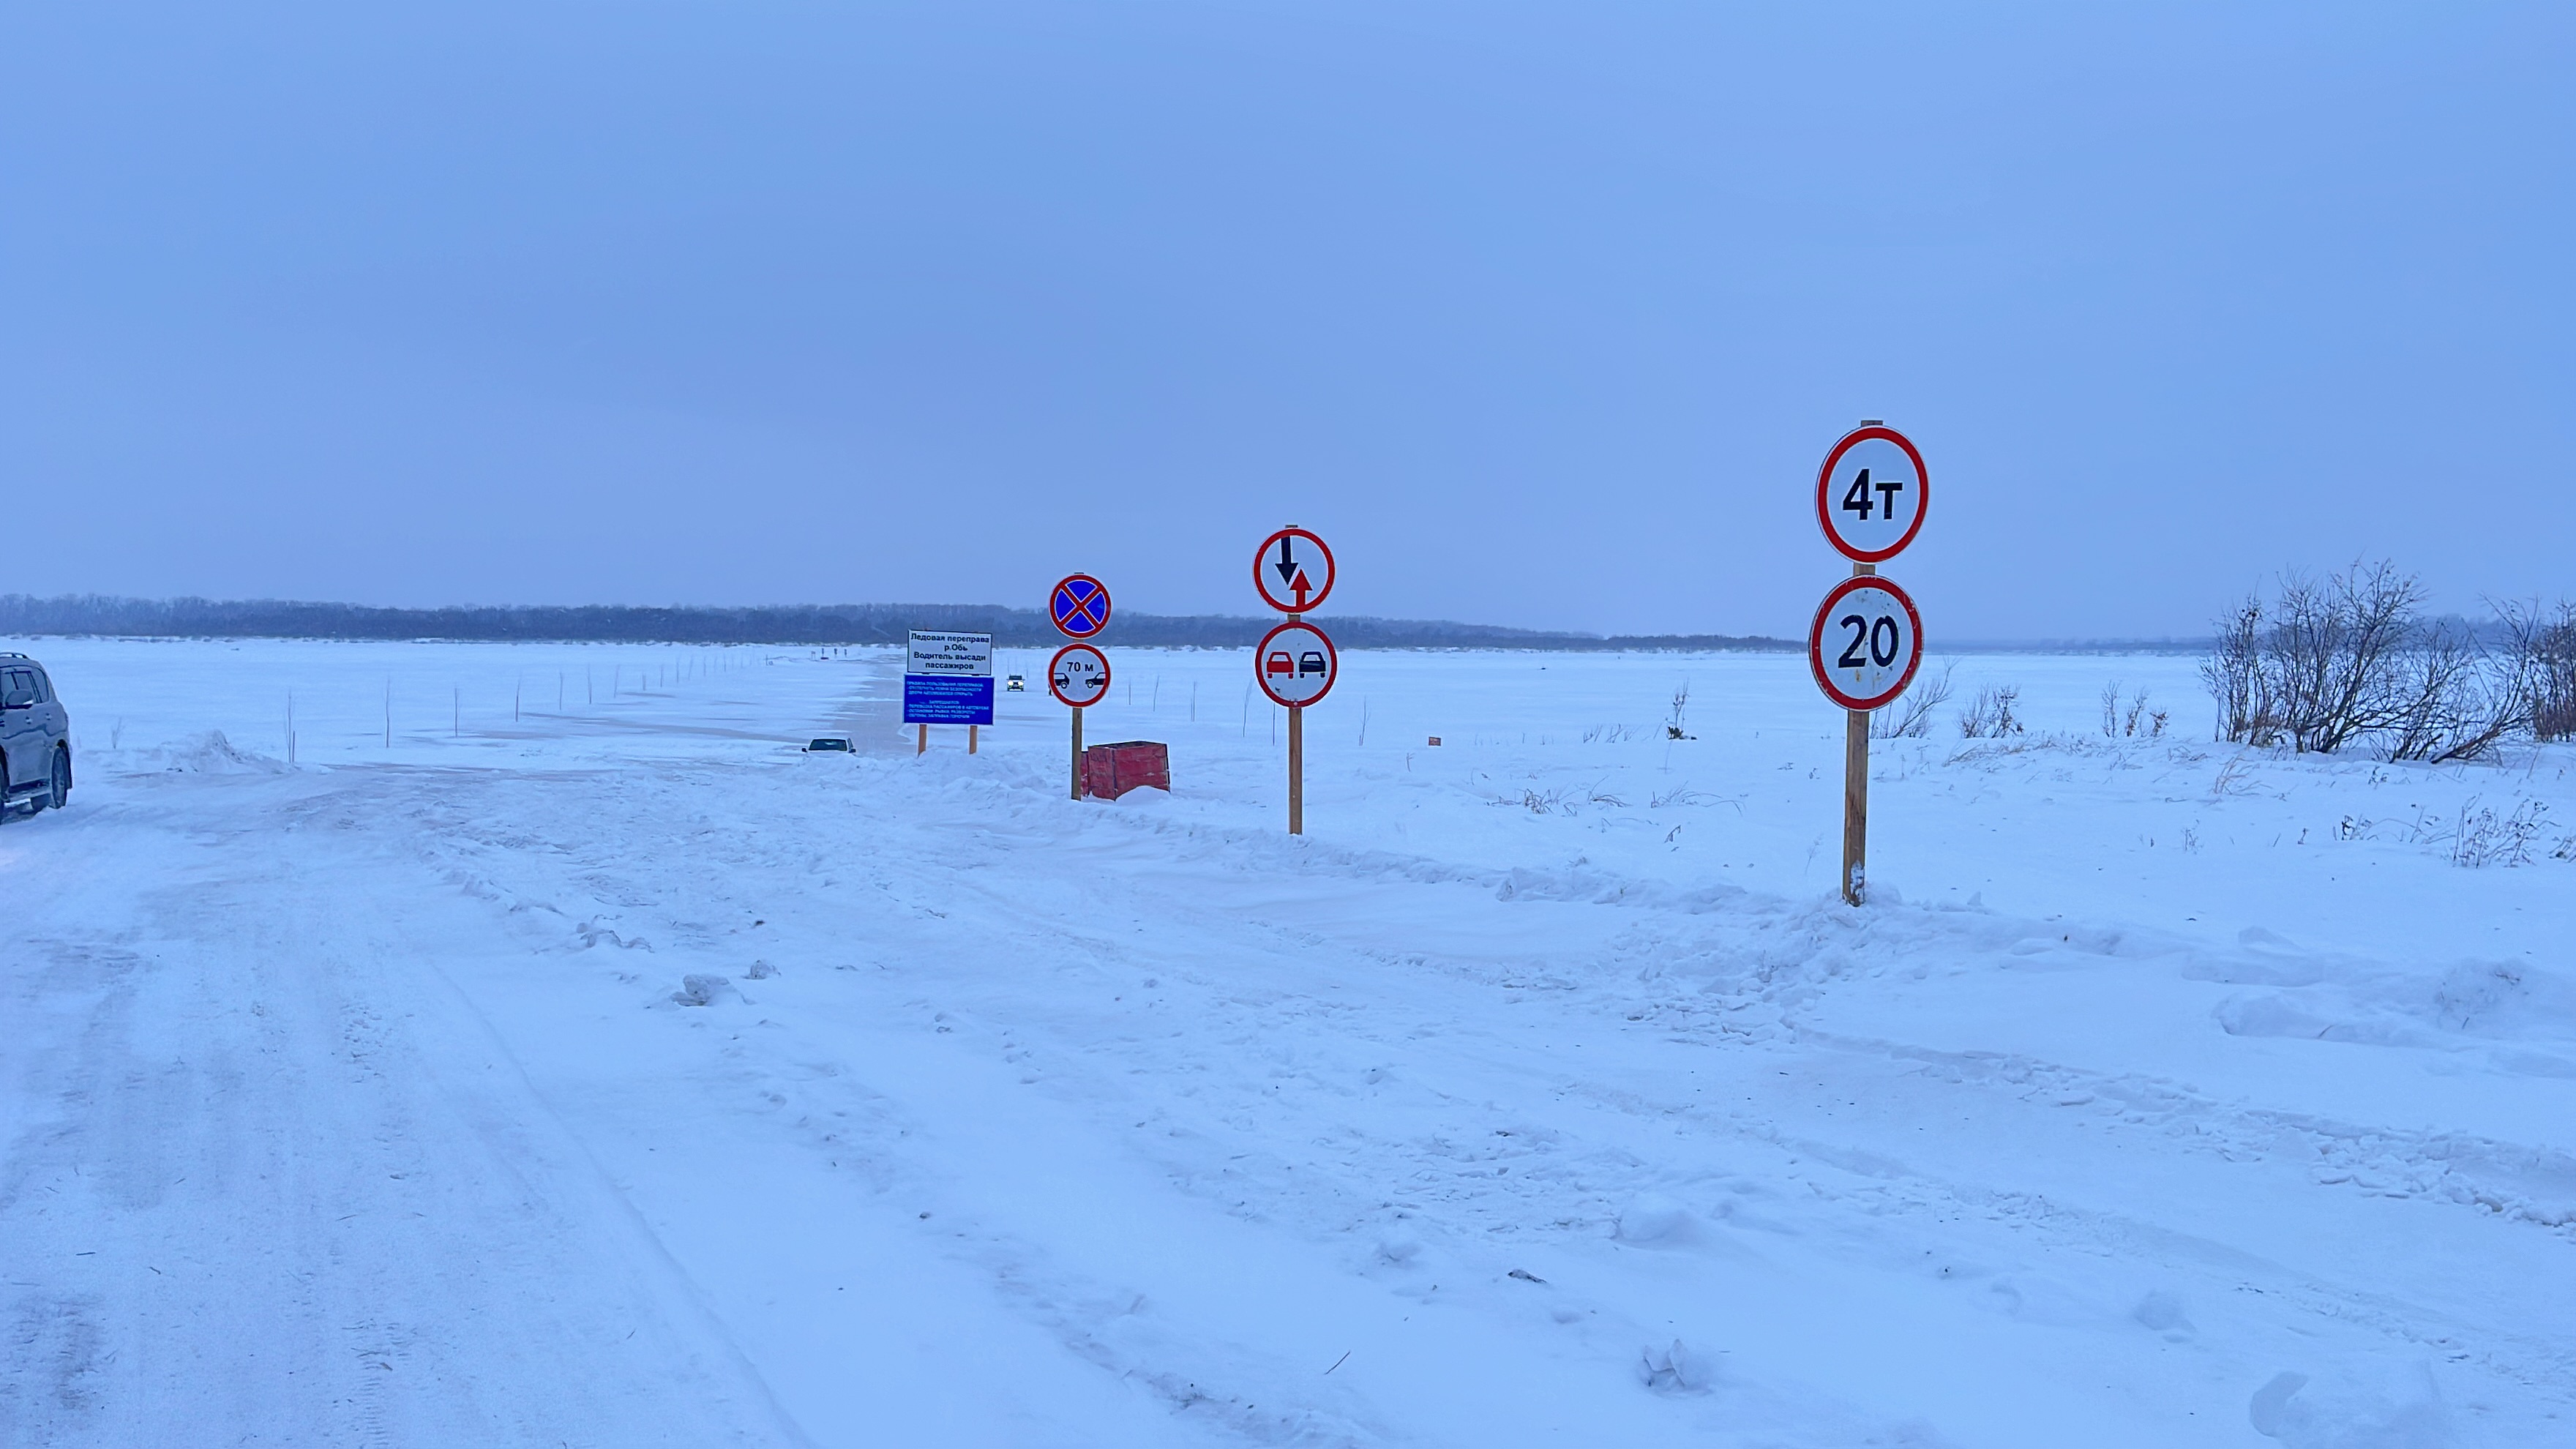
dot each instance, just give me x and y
(1078, 675)
(1295, 665)
(1866, 643)
(1293, 570)
(1872, 493)
(1079, 606)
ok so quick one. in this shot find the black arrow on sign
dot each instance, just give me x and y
(1287, 561)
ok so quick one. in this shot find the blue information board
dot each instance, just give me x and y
(947, 699)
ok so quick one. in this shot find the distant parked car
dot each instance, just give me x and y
(35, 737)
(1016, 685)
(828, 743)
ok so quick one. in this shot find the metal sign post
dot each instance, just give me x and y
(1293, 572)
(1079, 606)
(1867, 639)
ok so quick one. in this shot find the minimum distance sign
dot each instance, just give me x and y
(1078, 675)
(1293, 570)
(1866, 642)
(1079, 606)
(1871, 493)
(1295, 665)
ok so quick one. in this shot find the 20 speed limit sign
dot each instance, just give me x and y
(1078, 675)
(1871, 493)
(1866, 643)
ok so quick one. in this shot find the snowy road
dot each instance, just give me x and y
(614, 1076)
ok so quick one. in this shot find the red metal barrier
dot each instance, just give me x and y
(1110, 771)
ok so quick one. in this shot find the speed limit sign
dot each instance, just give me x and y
(1871, 493)
(1866, 643)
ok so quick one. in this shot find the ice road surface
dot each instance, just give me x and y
(586, 1066)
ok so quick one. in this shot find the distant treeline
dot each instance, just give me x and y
(93, 614)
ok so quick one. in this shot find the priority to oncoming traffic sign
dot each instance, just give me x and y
(1295, 664)
(1871, 493)
(1866, 642)
(1078, 675)
(1293, 570)
(1079, 606)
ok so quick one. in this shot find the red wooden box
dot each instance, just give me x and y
(1110, 771)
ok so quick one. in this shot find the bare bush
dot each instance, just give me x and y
(2456, 701)
(1910, 716)
(2123, 720)
(2335, 661)
(1990, 715)
(2541, 650)
(2336, 653)
(2247, 711)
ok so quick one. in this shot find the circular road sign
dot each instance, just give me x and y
(1295, 664)
(1079, 606)
(1078, 675)
(1871, 493)
(1293, 570)
(1866, 643)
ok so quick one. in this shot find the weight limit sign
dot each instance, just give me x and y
(1866, 643)
(1871, 494)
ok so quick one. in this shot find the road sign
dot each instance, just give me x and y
(1295, 664)
(1866, 642)
(1079, 675)
(1871, 494)
(1080, 606)
(1293, 570)
(948, 679)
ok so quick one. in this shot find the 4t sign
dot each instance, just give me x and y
(1871, 494)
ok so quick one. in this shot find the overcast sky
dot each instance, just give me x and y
(1540, 315)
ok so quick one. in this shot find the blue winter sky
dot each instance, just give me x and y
(1542, 315)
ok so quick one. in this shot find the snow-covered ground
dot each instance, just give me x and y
(553, 1055)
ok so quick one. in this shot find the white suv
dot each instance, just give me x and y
(35, 737)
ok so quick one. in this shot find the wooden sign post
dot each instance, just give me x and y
(1296, 766)
(1079, 676)
(1856, 791)
(1867, 639)
(1295, 664)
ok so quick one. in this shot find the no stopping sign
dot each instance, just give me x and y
(1866, 643)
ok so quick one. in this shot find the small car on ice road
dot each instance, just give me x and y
(35, 737)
